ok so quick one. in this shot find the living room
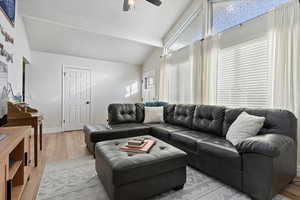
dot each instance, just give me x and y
(149, 99)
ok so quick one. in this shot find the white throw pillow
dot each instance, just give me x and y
(243, 127)
(154, 114)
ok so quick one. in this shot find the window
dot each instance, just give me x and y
(180, 76)
(227, 14)
(149, 82)
(244, 75)
(132, 89)
(190, 34)
(149, 87)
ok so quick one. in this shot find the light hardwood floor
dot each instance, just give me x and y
(57, 147)
(70, 145)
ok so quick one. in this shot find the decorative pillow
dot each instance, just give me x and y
(243, 127)
(154, 114)
(156, 104)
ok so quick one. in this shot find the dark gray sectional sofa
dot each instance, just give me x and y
(260, 166)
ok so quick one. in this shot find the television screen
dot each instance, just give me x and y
(9, 9)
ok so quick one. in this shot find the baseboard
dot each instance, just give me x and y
(55, 129)
(298, 171)
(52, 130)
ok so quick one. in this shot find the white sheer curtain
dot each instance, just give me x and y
(285, 32)
(189, 74)
(163, 89)
(175, 77)
(205, 63)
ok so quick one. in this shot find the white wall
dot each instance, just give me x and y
(109, 85)
(22, 49)
(152, 63)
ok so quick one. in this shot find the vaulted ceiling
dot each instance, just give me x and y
(99, 28)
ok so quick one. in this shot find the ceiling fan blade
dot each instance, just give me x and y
(126, 5)
(155, 2)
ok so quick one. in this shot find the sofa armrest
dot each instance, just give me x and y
(269, 164)
(269, 145)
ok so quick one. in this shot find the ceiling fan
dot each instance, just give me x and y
(128, 4)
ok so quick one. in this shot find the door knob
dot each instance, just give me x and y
(88, 102)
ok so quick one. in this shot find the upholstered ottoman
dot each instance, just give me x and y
(133, 176)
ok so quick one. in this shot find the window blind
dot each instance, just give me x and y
(244, 75)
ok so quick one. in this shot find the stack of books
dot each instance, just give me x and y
(139, 145)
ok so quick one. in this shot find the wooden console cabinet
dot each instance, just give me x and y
(21, 115)
(15, 161)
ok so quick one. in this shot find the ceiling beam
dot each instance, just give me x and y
(181, 22)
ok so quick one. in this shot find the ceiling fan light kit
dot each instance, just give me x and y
(129, 4)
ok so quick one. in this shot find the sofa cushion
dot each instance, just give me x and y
(169, 113)
(121, 113)
(280, 122)
(209, 119)
(212, 145)
(118, 131)
(220, 152)
(218, 146)
(164, 130)
(183, 115)
(185, 140)
(156, 104)
(140, 112)
(196, 135)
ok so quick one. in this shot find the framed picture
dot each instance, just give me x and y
(8, 7)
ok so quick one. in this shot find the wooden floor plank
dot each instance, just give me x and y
(57, 147)
(71, 145)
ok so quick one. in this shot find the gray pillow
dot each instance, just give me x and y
(243, 127)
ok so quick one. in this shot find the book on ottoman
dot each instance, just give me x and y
(136, 143)
(144, 148)
(136, 146)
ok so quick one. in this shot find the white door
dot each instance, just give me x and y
(76, 98)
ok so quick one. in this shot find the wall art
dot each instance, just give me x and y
(6, 54)
(7, 37)
(8, 7)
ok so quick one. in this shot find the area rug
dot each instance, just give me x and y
(77, 180)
